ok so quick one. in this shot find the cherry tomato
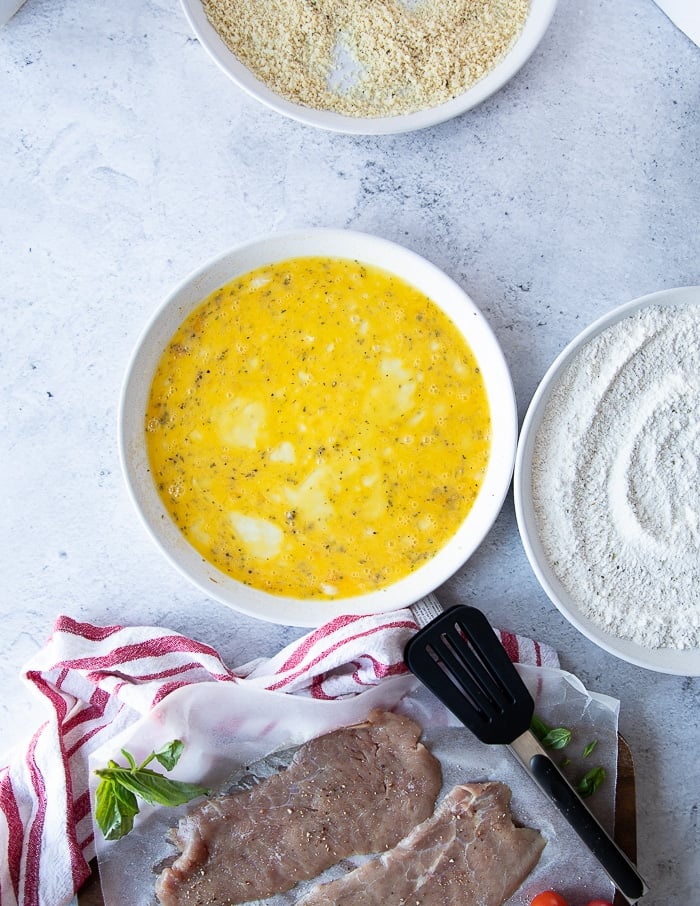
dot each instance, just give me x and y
(599, 903)
(548, 898)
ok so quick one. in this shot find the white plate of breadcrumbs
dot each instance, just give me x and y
(370, 66)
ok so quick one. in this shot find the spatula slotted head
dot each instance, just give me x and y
(461, 660)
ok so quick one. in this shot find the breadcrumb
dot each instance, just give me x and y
(368, 57)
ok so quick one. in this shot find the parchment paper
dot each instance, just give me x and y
(227, 727)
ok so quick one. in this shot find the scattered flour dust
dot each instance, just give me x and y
(368, 57)
(616, 478)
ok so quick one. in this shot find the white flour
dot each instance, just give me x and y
(616, 478)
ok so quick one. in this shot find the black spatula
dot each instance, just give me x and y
(460, 659)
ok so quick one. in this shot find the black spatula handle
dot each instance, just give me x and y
(620, 870)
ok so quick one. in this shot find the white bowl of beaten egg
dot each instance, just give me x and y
(370, 68)
(607, 482)
(318, 423)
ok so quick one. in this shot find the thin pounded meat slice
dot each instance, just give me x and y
(469, 851)
(356, 790)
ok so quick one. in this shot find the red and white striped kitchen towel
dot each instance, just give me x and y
(98, 680)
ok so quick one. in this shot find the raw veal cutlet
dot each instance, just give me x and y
(356, 790)
(469, 851)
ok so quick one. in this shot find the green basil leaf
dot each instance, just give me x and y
(538, 727)
(170, 754)
(129, 757)
(115, 809)
(589, 748)
(590, 781)
(551, 738)
(157, 789)
(116, 802)
(558, 738)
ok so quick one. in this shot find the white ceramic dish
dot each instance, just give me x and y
(539, 17)
(664, 660)
(333, 243)
(8, 8)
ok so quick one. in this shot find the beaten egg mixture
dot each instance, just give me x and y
(318, 428)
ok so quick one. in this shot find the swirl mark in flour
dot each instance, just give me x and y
(616, 478)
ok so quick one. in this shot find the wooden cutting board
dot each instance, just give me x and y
(625, 806)
(625, 825)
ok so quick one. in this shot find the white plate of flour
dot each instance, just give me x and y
(607, 482)
(376, 69)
